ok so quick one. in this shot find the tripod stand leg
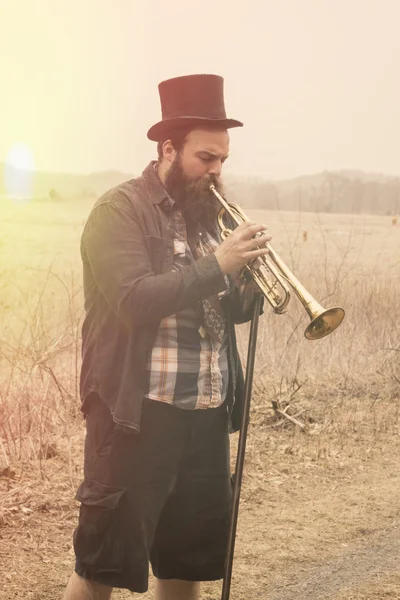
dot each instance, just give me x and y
(241, 447)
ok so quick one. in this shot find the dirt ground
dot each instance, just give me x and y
(320, 528)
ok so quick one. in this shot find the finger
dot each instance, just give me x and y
(262, 239)
(252, 230)
(244, 229)
(253, 244)
(253, 254)
(245, 225)
(256, 264)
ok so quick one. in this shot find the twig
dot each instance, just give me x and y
(292, 419)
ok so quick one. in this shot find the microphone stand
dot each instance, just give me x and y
(241, 447)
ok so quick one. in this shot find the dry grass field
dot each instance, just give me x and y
(320, 507)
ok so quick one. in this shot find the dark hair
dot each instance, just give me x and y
(177, 138)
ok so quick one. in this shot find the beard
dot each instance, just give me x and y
(194, 198)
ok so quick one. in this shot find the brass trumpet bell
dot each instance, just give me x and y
(324, 323)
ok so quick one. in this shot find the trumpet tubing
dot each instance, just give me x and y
(273, 276)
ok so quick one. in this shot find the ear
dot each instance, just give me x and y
(169, 152)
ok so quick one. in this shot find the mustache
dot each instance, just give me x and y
(203, 183)
(199, 192)
(194, 196)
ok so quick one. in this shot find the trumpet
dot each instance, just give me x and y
(273, 275)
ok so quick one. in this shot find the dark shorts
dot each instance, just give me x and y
(162, 496)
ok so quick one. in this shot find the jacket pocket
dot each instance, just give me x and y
(99, 540)
(161, 252)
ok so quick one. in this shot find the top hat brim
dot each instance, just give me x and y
(165, 127)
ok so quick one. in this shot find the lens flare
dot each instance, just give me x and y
(19, 172)
(20, 157)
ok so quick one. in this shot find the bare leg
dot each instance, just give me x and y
(176, 589)
(83, 589)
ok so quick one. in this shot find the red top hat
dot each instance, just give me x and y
(192, 100)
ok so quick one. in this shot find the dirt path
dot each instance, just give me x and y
(376, 564)
(307, 529)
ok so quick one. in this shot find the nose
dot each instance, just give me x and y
(215, 168)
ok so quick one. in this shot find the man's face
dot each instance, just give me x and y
(193, 169)
(204, 153)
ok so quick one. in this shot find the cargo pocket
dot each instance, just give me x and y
(99, 540)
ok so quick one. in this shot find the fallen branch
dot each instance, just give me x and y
(284, 414)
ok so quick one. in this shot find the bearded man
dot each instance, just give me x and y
(161, 380)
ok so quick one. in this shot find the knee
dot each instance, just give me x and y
(86, 589)
(177, 589)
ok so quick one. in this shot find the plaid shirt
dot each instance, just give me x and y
(187, 367)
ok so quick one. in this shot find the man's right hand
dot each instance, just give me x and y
(240, 247)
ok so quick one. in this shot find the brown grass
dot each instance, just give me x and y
(344, 389)
(345, 384)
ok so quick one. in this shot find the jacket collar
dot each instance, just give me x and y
(155, 190)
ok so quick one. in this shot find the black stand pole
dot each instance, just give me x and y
(241, 447)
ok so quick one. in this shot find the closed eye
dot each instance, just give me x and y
(210, 158)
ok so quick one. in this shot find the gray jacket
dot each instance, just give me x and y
(129, 286)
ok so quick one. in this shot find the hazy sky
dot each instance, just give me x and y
(316, 82)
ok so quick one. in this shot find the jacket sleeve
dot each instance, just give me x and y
(241, 304)
(120, 258)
